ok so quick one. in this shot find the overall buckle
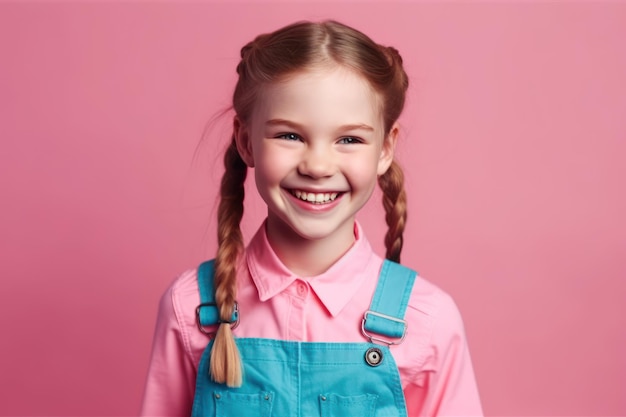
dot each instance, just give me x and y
(234, 322)
(376, 338)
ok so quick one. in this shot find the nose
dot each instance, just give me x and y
(317, 162)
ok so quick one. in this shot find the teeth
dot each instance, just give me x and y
(317, 198)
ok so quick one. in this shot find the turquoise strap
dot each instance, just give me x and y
(207, 310)
(384, 317)
(386, 313)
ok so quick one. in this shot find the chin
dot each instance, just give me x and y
(322, 230)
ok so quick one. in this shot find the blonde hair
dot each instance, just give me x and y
(268, 59)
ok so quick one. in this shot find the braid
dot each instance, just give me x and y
(225, 361)
(395, 203)
(395, 86)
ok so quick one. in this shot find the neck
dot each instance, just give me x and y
(308, 257)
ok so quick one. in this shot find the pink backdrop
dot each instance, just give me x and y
(513, 143)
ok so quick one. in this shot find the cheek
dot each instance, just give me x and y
(271, 166)
(363, 174)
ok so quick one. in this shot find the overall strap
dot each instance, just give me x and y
(386, 314)
(207, 313)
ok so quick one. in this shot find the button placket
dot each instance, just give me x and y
(298, 292)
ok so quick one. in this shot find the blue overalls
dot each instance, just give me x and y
(290, 378)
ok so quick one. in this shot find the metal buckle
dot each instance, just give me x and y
(233, 324)
(373, 339)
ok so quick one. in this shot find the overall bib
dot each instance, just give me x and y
(306, 379)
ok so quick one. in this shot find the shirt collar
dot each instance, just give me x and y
(334, 288)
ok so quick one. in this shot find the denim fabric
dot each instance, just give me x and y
(285, 378)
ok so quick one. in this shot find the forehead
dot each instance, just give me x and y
(324, 96)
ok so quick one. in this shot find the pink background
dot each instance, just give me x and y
(514, 141)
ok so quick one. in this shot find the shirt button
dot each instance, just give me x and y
(301, 288)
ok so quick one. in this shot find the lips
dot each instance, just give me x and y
(315, 198)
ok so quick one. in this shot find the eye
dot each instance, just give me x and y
(350, 140)
(288, 136)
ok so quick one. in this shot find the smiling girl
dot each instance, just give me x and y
(307, 320)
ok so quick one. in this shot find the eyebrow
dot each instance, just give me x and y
(283, 122)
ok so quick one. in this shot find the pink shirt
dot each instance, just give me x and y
(434, 362)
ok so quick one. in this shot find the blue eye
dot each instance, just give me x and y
(350, 140)
(288, 136)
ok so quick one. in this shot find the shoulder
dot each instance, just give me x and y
(428, 300)
(177, 310)
(434, 320)
(182, 292)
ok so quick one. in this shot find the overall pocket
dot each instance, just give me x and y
(229, 404)
(333, 405)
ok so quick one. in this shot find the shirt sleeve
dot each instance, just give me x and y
(446, 386)
(170, 383)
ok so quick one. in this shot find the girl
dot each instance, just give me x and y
(307, 320)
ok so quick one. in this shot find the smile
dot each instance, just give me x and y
(315, 198)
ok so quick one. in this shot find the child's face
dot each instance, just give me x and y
(317, 144)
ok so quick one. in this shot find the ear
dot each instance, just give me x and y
(242, 140)
(388, 150)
